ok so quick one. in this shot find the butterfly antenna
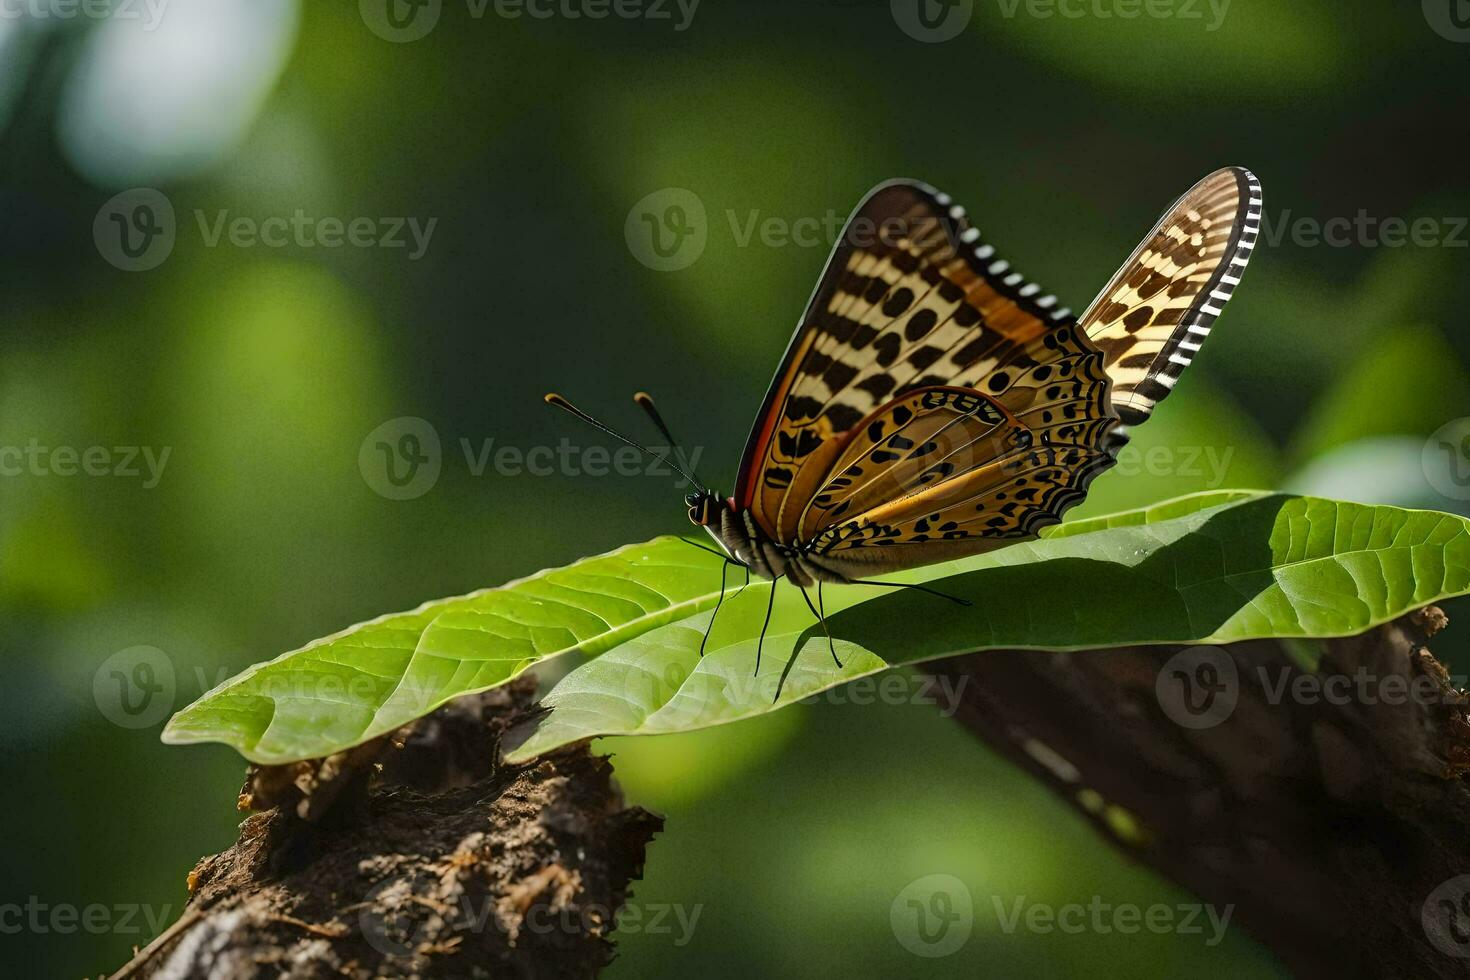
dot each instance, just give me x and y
(645, 402)
(552, 398)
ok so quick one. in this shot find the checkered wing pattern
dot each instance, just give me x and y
(932, 401)
(1151, 319)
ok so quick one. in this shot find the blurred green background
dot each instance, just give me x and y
(261, 369)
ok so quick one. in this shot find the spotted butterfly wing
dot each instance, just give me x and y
(1150, 320)
(932, 403)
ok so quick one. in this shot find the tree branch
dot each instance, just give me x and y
(416, 856)
(1327, 806)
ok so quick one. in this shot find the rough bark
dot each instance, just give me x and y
(416, 856)
(1332, 814)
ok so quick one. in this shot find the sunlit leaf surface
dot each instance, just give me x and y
(1211, 568)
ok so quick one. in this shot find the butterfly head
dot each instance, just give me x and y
(704, 507)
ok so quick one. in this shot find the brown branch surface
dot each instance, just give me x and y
(416, 856)
(1333, 816)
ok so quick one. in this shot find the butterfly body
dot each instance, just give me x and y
(736, 531)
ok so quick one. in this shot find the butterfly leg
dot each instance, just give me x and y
(747, 578)
(911, 585)
(770, 604)
(781, 681)
(723, 569)
(822, 612)
(821, 615)
(705, 547)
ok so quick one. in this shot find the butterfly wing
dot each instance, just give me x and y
(931, 405)
(946, 472)
(911, 298)
(1152, 317)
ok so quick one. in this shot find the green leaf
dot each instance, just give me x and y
(1212, 568)
(1166, 510)
(373, 677)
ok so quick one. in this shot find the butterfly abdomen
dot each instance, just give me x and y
(743, 538)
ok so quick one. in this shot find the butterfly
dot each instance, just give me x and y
(934, 404)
